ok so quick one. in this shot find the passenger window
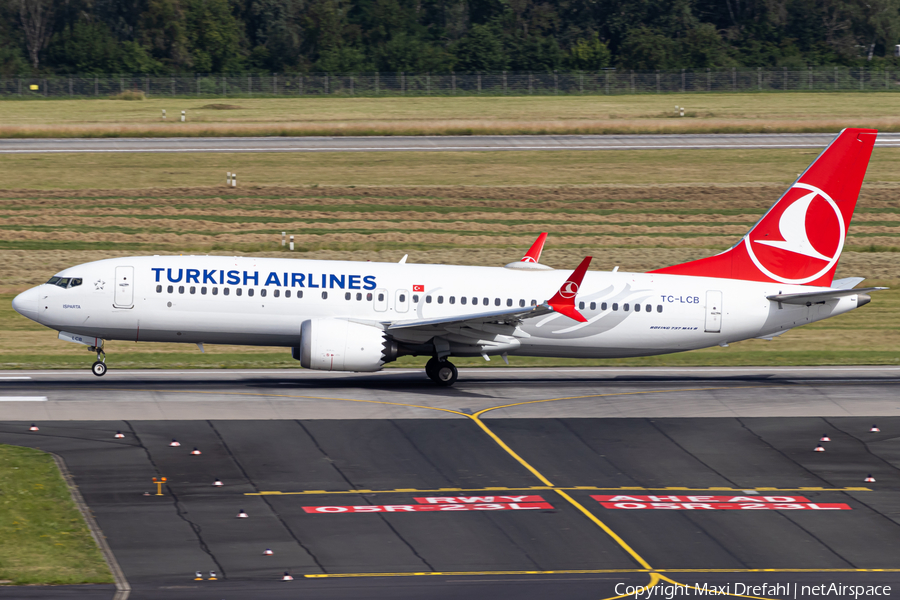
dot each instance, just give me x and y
(299, 293)
(637, 308)
(522, 303)
(625, 307)
(193, 289)
(346, 295)
(180, 289)
(75, 282)
(659, 308)
(159, 289)
(416, 298)
(358, 296)
(262, 292)
(369, 297)
(615, 306)
(287, 293)
(428, 299)
(604, 306)
(381, 297)
(403, 298)
(215, 291)
(509, 301)
(452, 299)
(486, 301)
(581, 306)
(440, 299)
(203, 290)
(250, 291)
(226, 291)
(593, 306)
(474, 301)
(534, 302)
(276, 293)
(496, 301)
(463, 299)
(238, 291)
(324, 295)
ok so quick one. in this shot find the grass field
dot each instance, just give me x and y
(732, 113)
(43, 538)
(483, 169)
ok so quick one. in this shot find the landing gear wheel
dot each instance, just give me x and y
(431, 368)
(446, 374)
(99, 368)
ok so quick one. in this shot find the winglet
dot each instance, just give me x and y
(564, 300)
(534, 253)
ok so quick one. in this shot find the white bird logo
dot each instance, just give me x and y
(569, 289)
(792, 227)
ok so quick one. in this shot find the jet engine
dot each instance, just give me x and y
(342, 345)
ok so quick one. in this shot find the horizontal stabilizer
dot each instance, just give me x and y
(813, 297)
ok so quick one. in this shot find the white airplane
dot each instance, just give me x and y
(357, 316)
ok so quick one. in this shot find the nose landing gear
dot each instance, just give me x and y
(442, 372)
(99, 367)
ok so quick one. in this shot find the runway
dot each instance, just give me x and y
(432, 143)
(515, 483)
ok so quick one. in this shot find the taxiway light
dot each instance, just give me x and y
(819, 448)
(874, 429)
(268, 552)
(174, 443)
(825, 438)
(34, 428)
(119, 435)
(198, 576)
(287, 577)
(870, 479)
(242, 515)
(196, 452)
(212, 575)
(218, 483)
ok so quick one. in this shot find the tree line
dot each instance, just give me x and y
(158, 37)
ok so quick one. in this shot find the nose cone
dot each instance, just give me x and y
(26, 303)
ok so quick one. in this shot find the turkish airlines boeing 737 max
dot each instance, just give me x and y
(357, 316)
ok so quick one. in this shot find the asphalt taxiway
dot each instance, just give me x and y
(518, 483)
(467, 143)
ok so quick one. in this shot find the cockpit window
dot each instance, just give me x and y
(74, 282)
(63, 282)
(53, 280)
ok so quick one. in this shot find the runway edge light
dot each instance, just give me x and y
(870, 479)
(174, 443)
(196, 452)
(268, 552)
(218, 483)
(819, 448)
(825, 438)
(119, 435)
(242, 515)
(287, 577)
(34, 428)
(874, 429)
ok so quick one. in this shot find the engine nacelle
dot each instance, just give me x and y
(341, 345)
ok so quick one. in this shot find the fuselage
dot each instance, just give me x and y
(264, 301)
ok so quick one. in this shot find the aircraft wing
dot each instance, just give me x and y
(808, 298)
(563, 302)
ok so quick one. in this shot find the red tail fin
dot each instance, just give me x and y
(564, 300)
(534, 253)
(799, 241)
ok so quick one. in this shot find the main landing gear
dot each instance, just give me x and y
(442, 372)
(99, 367)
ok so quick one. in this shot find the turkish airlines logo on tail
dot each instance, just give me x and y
(568, 290)
(800, 239)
